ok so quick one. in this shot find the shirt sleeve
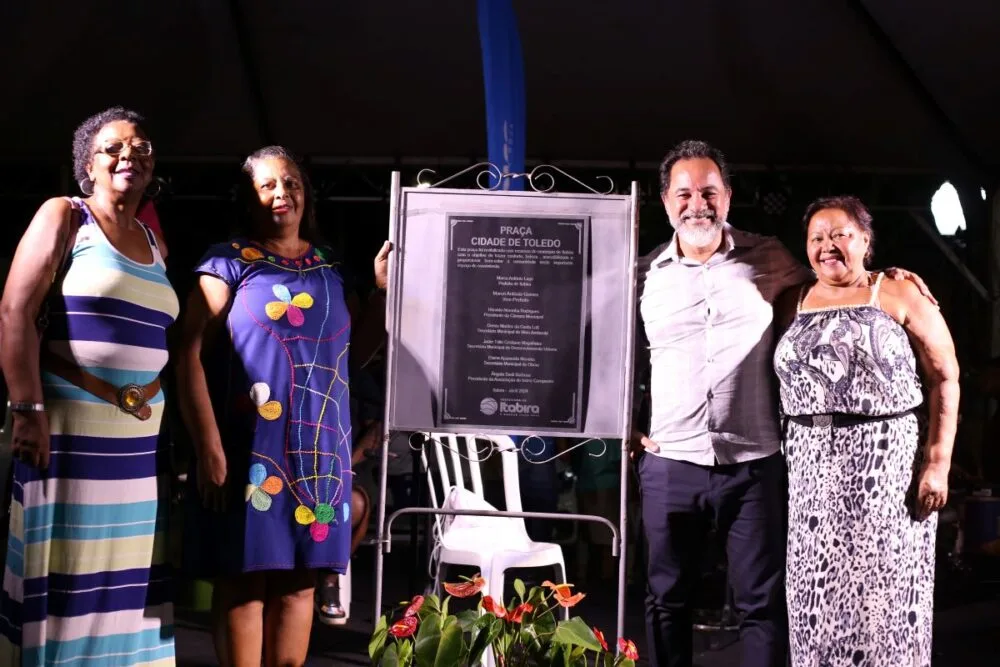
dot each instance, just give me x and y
(641, 369)
(221, 261)
(642, 374)
(786, 270)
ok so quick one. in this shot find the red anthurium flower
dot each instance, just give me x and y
(466, 588)
(404, 627)
(559, 589)
(415, 604)
(570, 601)
(563, 594)
(600, 638)
(493, 607)
(520, 611)
(627, 646)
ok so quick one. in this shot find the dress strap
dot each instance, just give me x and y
(803, 289)
(153, 245)
(878, 283)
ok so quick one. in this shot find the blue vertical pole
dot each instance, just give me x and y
(503, 77)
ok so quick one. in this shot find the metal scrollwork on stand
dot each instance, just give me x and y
(545, 171)
(540, 179)
(418, 440)
(487, 169)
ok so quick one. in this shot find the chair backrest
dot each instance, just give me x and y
(458, 456)
(441, 458)
(511, 478)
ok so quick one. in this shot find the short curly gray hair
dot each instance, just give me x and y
(83, 138)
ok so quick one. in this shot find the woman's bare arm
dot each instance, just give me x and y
(935, 350)
(206, 309)
(39, 256)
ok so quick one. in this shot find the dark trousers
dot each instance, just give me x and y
(747, 503)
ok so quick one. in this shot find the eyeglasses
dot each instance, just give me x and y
(116, 147)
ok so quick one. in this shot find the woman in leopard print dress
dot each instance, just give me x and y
(865, 480)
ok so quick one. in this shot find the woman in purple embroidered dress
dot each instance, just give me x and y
(265, 368)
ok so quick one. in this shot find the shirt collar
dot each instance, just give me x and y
(732, 238)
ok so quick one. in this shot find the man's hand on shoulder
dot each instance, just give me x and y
(896, 273)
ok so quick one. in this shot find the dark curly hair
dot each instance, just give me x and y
(246, 197)
(853, 207)
(83, 138)
(692, 150)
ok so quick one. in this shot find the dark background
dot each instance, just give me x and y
(877, 98)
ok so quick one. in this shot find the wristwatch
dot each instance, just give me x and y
(25, 406)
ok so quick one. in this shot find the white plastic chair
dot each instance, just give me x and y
(495, 544)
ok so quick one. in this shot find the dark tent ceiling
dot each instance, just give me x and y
(873, 83)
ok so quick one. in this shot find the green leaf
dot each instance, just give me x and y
(519, 589)
(479, 645)
(485, 620)
(444, 609)
(432, 602)
(391, 656)
(428, 638)
(377, 643)
(450, 649)
(627, 663)
(609, 660)
(575, 632)
(542, 625)
(405, 653)
(467, 619)
(554, 655)
(487, 635)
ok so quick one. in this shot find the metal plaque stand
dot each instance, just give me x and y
(541, 179)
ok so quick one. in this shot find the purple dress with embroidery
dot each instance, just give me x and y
(279, 387)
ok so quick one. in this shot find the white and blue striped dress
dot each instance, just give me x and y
(86, 579)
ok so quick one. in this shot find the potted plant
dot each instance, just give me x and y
(523, 633)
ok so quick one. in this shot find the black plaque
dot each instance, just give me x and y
(513, 323)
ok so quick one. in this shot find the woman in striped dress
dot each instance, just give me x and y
(85, 581)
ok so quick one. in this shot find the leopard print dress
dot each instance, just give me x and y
(860, 567)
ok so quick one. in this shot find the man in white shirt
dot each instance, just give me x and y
(712, 454)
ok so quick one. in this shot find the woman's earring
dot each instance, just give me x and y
(153, 193)
(84, 183)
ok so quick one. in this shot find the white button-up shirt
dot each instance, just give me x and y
(710, 343)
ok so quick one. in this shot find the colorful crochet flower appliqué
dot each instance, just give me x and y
(260, 394)
(293, 306)
(251, 254)
(261, 487)
(318, 520)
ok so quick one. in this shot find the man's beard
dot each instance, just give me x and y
(694, 235)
